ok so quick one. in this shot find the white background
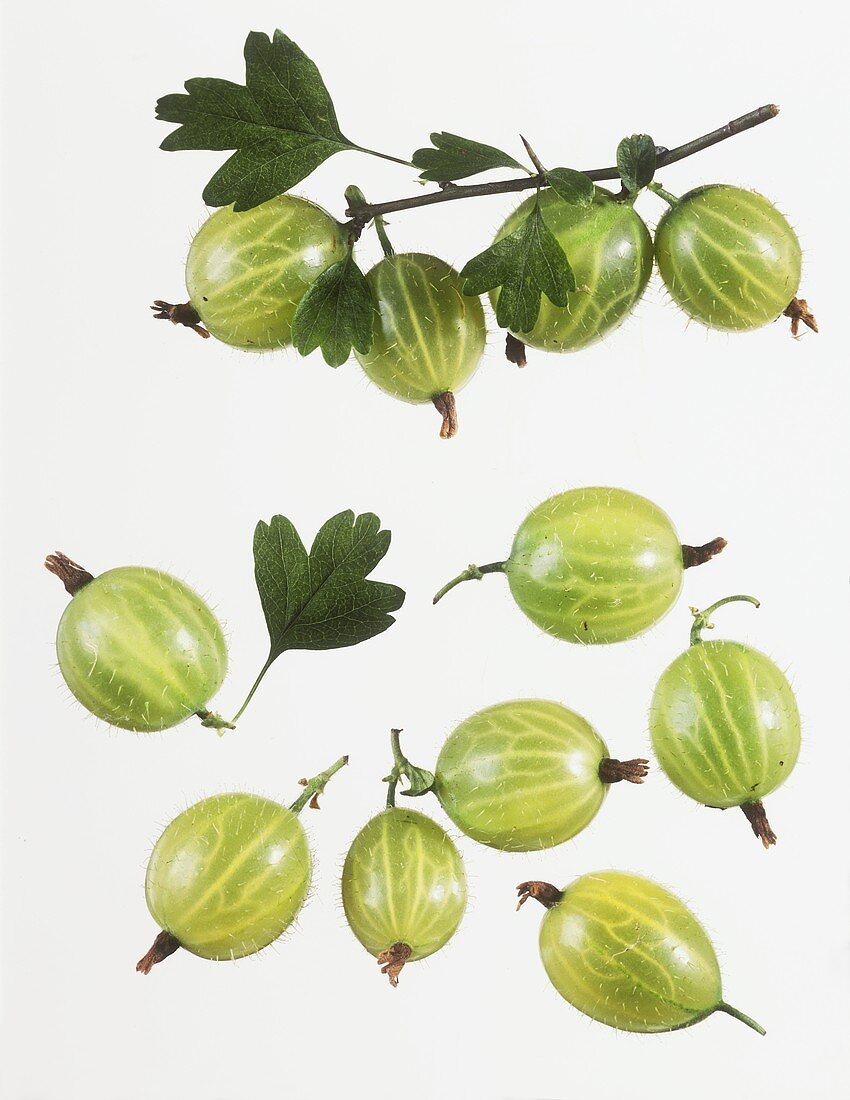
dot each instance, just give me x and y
(129, 442)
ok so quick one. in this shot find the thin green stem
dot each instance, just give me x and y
(748, 1020)
(419, 780)
(670, 199)
(702, 619)
(314, 787)
(355, 197)
(250, 694)
(471, 573)
(385, 156)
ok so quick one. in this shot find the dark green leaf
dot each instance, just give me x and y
(526, 263)
(323, 600)
(571, 186)
(335, 314)
(282, 123)
(456, 158)
(636, 162)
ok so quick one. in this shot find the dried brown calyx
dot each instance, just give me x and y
(446, 406)
(615, 771)
(699, 555)
(164, 945)
(392, 961)
(183, 314)
(515, 350)
(800, 314)
(73, 576)
(544, 892)
(755, 814)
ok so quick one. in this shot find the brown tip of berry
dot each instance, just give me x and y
(392, 961)
(164, 945)
(73, 576)
(515, 350)
(614, 771)
(544, 892)
(446, 406)
(699, 555)
(755, 814)
(800, 314)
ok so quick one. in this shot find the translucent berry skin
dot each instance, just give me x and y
(724, 724)
(522, 776)
(595, 565)
(728, 257)
(626, 952)
(427, 337)
(247, 272)
(403, 881)
(140, 649)
(229, 875)
(610, 251)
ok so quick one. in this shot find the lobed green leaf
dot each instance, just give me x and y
(636, 158)
(335, 314)
(525, 264)
(323, 600)
(573, 187)
(457, 158)
(282, 123)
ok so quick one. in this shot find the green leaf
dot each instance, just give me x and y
(525, 264)
(456, 158)
(323, 600)
(573, 187)
(335, 314)
(636, 162)
(281, 123)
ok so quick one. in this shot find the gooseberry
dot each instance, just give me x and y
(628, 953)
(610, 251)
(595, 565)
(427, 336)
(403, 884)
(247, 271)
(137, 647)
(728, 257)
(725, 725)
(230, 874)
(526, 774)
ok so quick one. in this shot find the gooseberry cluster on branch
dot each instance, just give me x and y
(270, 270)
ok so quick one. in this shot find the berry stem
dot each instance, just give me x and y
(446, 406)
(702, 619)
(420, 781)
(544, 892)
(699, 555)
(212, 721)
(365, 213)
(671, 200)
(614, 771)
(471, 573)
(748, 1020)
(164, 945)
(315, 786)
(755, 813)
(355, 197)
(73, 576)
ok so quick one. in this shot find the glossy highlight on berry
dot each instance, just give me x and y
(628, 953)
(527, 774)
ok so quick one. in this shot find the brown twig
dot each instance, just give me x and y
(368, 211)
